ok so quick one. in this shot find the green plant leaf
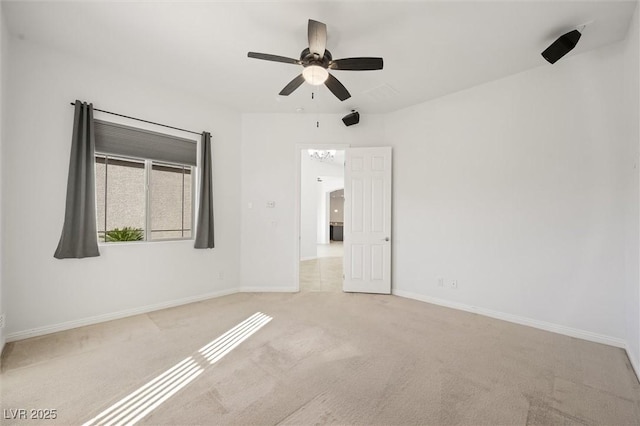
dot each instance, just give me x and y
(124, 234)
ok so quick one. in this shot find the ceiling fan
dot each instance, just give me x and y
(317, 62)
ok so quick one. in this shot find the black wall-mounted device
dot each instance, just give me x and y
(563, 45)
(351, 119)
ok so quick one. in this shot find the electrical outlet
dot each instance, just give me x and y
(440, 282)
(2, 321)
(454, 284)
(221, 275)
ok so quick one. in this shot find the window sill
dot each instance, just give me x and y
(141, 243)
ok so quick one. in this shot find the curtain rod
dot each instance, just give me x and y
(144, 121)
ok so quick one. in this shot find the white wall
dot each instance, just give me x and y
(3, 85)
(322, 228)
(308, 208)
(337, 207)
(269, 173)
(47, 293)
(516, 189)
(631, 79)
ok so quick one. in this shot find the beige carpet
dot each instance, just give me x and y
(327, 358)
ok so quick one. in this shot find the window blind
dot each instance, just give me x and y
(119, 140)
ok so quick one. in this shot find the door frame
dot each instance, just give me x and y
(298, 152)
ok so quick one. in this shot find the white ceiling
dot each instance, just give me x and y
(430, 48)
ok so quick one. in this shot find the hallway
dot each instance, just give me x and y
(325, 272)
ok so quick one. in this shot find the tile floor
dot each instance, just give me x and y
(325, 272)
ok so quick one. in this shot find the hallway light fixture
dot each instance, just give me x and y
(322, 154)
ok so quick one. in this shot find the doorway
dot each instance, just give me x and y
(321, 218)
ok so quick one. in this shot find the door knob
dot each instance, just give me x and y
(386, 238)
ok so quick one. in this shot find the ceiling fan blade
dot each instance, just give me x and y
(337, 88)
(356, 64)
(293, 85)
(317, 33)
(274, 58)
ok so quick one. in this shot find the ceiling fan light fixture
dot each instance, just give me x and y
(315, 75)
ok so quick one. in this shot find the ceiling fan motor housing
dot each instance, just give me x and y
(307, 58)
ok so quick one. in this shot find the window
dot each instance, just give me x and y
(143, 198)
(170, 201)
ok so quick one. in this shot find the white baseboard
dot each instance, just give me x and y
(542, 325)
(40, 331)
(268, 290)
(633, 360)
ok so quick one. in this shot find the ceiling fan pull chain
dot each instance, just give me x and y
(313, 94)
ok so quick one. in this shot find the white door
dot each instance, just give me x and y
(367, 220)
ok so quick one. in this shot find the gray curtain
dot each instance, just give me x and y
(204, 223)
(79, 237)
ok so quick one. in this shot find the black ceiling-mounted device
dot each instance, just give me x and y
(352, 118)
(563, 45)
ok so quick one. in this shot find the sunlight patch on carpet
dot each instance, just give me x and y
(215, 350)
(144, 400)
